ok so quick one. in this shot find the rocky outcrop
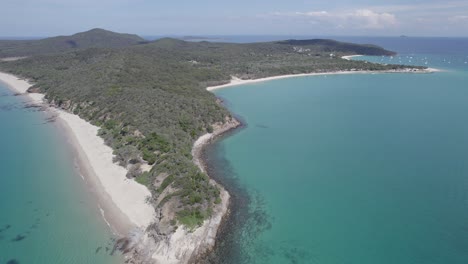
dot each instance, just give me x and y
(161, 245)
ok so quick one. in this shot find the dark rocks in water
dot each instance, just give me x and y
(13, 261)
(7, 107)
(51, 119)
(121, 245)
(18, 238)
(98, 249)
(262, 126)
(5, 228)
(35, 107)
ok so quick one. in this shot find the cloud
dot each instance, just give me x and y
(372, 20)
(360, 18)
(458, 19)
(422, 7)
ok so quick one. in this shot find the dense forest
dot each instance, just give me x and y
(150, 98)
(95, 38)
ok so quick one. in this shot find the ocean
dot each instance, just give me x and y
(363, 168)
(47, 214)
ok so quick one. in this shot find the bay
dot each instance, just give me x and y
(363, 168)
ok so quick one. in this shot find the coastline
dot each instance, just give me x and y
(12, 58)
(124, 201)
(237, 81)
(188, 247)
(207, 139)
(121, 201)
(349, 57)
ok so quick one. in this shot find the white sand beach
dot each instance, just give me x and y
(237, 81)
(123, 201)
(349, 57)
(12, 58)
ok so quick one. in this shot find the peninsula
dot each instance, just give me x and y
(148, 102)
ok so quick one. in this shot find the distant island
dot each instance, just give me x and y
(150, 101)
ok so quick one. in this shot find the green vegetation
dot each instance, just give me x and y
(192, 218)
(337, 46)
(95, 38)
(151, 103)
(143, 178)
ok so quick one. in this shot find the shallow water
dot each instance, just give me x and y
(351, 168)
(46, 213)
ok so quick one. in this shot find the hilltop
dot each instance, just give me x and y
(94, 38)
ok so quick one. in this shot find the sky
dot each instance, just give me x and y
(20, 18)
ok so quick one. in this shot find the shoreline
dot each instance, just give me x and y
(349, 57)
(207, 139)
(237, 81)
(122, 201)
(100, 173)
(12, 58)
(184, 246)
(93, 159)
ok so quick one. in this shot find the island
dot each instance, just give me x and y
(148, 102)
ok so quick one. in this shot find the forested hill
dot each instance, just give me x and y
(151, 103)
(95, 38)
(337, 46)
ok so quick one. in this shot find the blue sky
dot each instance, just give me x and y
(240, 17)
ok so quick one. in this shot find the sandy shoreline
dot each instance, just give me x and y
(122, 201)
(349, 57)
(12, 58)
(237, 81)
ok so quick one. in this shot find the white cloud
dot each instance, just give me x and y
(421, 7)
(360, 18)
(371, 19)
(458, 19)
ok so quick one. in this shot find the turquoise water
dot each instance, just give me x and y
(350, 168)
(46, 214)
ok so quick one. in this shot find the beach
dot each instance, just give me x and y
(353, 142)
(237, 81)
(123, 202)
(349, 57)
